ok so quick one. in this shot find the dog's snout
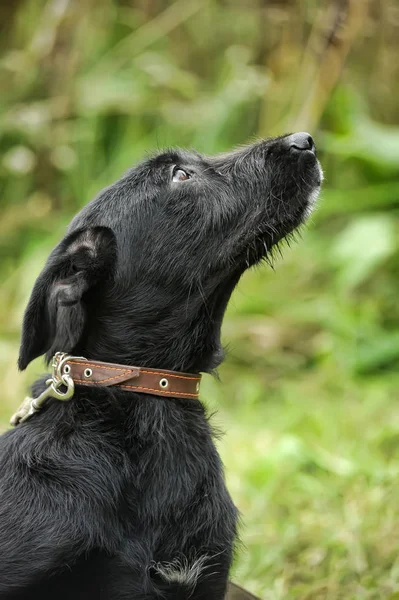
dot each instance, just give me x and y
(301, 141)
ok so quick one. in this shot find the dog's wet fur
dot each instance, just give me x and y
(117, 495)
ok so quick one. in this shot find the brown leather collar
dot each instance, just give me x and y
(68, 370)
(159, 382)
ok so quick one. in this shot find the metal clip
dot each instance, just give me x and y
(30, 406)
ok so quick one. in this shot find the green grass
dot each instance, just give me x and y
(314, 470)
(311, 454)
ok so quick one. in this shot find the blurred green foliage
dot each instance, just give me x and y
(308, 395)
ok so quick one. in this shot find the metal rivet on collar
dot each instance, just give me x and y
(88, 373)
(197, 387)
(164, 383)
(67, 369)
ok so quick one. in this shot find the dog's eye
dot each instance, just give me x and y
(180, 175)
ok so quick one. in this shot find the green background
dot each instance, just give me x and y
(308, 395)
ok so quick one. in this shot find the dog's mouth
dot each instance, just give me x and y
(284, 215)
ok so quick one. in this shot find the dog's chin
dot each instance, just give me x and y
(306, 207)
(310, 203)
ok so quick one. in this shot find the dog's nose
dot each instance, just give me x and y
(301, 141)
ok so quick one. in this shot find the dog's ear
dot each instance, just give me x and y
(56, 315)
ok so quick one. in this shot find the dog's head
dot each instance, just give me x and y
(146, 269)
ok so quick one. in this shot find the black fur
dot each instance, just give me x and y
(99, 494)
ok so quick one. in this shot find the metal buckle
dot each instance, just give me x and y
(58, 378)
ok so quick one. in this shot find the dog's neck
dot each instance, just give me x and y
(183, 337)
(193, 348)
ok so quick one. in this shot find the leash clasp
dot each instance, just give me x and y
(58, 379)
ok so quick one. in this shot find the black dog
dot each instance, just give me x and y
(118, 495)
